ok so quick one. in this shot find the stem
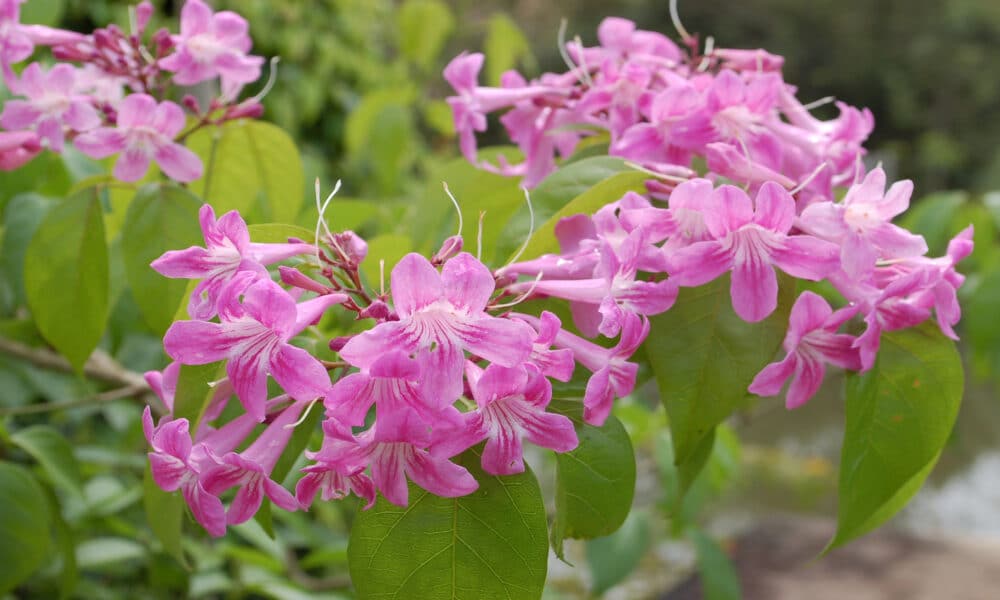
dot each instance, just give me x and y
(99, 366)
(116, 394)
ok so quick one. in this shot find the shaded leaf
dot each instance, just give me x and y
(612, 558)
(719, 579)
(54, 454)
(165, 515)
(24, 525)
(424, 27)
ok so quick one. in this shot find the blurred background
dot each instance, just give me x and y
(359, 87)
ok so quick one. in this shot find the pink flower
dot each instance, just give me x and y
(555, 363)
(333, 478)
(445, 315)
(254, 336)
(212, 45)
(228, 250)
(52, 104)
(511, 406)
(812, 340)
(145, 132)
(751, 242)
(251, 469)
(398, 452)
(862, 224)
(17, 148)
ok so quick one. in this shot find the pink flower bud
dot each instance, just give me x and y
(449, 249)
(143, 12)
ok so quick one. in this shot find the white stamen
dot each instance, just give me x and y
(583, 61)
(746, 153)
(305, 415)
(676, 19)
(859, 168)
(321, 209)
(807, 180)
(817, 103)
(133, 23)
(458, 209)
(381, 277)
(656, 174)
(531, 227)
(272, 77)
(524, 296)
(709, 48)
(582, 74)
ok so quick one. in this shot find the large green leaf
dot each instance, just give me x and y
(250, 166)
(899, 416)
(24, 526)
(380, 134)
(595, 482)
(719, 578)
(66, 276)
(194, 390)
(488, 545)
(424, 27)
(704, 357)
(165, 515)
(587, 202)
(160, 218)
(54, 454)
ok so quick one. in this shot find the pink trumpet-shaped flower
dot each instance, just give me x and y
(254, 336)
(212, 45)
(443, 314)
(511, 406)
(399, 452)
(145, 133)
(52, 104)
(251, 470)
(176, 464)
(333, 475)
(751, 242)
(555, 363)
(228, 250)
(812, 340)
(862, 224)
(392, 383)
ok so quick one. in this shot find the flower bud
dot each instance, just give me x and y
(377, 310)
(296, 278)
(349, 247)
(450, 248)
(143, 12)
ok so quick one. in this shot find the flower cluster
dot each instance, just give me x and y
(662, 108)
(441, 367)
(113, 100)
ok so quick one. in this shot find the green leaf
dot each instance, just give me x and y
(704, 357)
(116, 196)
(66, 276)
(250, 165)
(105, 553)
(424, 27)
(54, 454)
(24, 526)
(719, 579)
(389, 247)
(899, 416)
(160, 218)
(165, 515)
(23, 215)
(595, 482)
(194, 392)
(298, 442)
(611, 559)
(587, 202)
(43, 12)
(505, 47)
(380, 134)
(487, 545)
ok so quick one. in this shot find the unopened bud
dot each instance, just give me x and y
(451, 247)
(349, 247)
(191, 103)
(296, 278)
(143, 12)
(163, 41)
(377, 310)
(338, 343)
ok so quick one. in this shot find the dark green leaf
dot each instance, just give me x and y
(613, 558)
(719, 579)
(22, 217)
(66, 276)
(55, 455)
(165, 515)
(250, 165)
(487, 545)
(595, 482)
(704, 358)
(899, 416)
(24, 526)
(160, 218)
